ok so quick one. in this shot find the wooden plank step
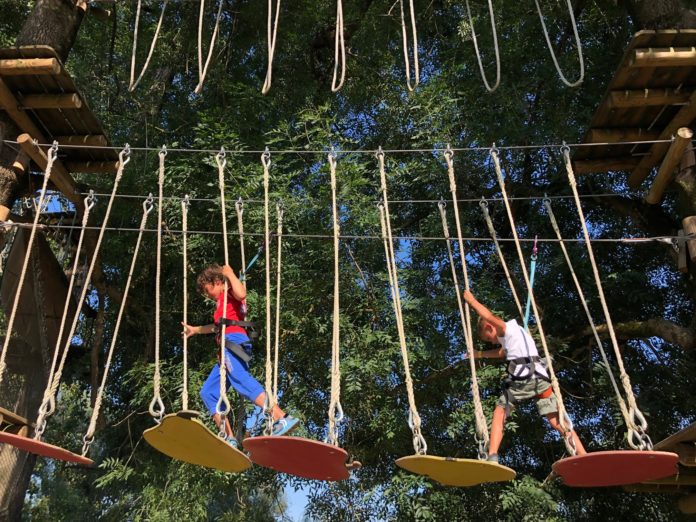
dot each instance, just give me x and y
(8, 417)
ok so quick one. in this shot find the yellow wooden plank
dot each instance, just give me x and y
(456, 472)
(188, 440)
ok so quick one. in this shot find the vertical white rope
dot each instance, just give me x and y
(578, 45)
(133, 82)
(464, 310)
(276, 337)
(223, 407)
(89, 435)
(339, 50)
(156, 408)
(414, 38)
(335, 409)
(583, 302)
(495, 44)
(414, 420)
(48, 402)
(637, 425)
(184, 236)
(52, 156)
(203, 68)
(270, 397)
(272, 34)
(239, 207)
(491, 230)
(482, 435)
(563, 418)
(48, 405)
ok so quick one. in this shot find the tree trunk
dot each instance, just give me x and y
(661, 14)
(54, 23)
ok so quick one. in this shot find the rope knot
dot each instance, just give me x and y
(163, 151)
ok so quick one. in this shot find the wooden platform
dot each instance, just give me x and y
(652, 95)
(41, 98)
(683, 443)
(13, 423)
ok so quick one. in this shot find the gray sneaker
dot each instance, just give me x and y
(493, 457)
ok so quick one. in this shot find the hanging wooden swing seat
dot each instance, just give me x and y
(615, 468)
(182, 436)
(300, 457)
(450, 471)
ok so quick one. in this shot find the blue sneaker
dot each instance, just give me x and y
(285, 425)
(232, 442)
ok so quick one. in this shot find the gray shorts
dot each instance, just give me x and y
(515, 392)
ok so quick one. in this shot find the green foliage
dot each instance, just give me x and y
(132, 481)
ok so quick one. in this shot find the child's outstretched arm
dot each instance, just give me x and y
(236, 285)
(485, 313)
(190, 330)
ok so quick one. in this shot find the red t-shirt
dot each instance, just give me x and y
(236, 310)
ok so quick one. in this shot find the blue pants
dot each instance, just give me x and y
(238, 377)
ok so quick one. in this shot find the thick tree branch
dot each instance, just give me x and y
(655, 327)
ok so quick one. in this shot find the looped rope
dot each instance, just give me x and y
(339, 49)
(185, 202)
(48, 404)
(578, 45)
(335, 409)
(203, 68)
(156, 408)
(404, 37)
(272, 34)
(636, 422)
(414, 420)
(562, 414)
(491, 231)
(495, 44)
(482, 435)
(223, 407)
(133, 82)
(89, 435)
(52, 156)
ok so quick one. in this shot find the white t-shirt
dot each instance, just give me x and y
(518, 343)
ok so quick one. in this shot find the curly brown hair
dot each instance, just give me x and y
(209, 275)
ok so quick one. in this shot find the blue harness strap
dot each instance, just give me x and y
(532, 271)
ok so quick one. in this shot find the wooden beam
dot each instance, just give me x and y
(669, 164)
(687, 454)
(51, 101)
(10, 417)
(23, 121)
(29, 66)
(91, 140)
(616, 135)
(683, 118)
(93, 167)
(646, 97)
(680, 479)
(655, 488)
(687, 504)
(605, 164)
(59, 175)
(664, 57)
(689, 224)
